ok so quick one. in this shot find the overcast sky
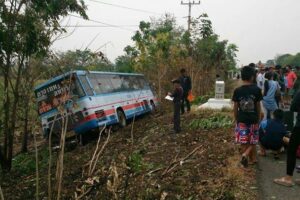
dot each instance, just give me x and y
(260, 28)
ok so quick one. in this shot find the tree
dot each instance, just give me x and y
(162, 48)
(27, 28)
(124, 64)
(157, 44)
(288, 59)
(284, 59)
(211, 56)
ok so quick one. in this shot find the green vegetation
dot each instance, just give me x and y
(25, 163)
(135, 162)
(27, 30)
(218, 120)
(201, 99)
(288, 59)
(162, 48)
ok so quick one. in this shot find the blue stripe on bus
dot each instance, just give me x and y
(86, 126)
(111, 120)
(136, 111)
(93, 124)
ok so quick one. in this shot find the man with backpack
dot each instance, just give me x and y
(186, 84)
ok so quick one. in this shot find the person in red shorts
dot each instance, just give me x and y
(247, 110)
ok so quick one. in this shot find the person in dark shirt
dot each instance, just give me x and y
(272, 133)
(186, 84)
(247, 110)
(177, 95)
(292, 147)
(253, 66)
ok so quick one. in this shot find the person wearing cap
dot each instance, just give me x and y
(177, 95)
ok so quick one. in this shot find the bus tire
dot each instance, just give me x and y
(153, 107)
(82, 139)
(121, 118)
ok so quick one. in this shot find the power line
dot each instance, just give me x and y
(125, 7)
(103, 23)
(96, 26)
(190, 4)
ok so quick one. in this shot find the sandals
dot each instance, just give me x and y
(244, 162)
(283, 182)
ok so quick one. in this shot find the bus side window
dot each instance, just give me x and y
(101, 83)
(135, 83)
(116, 83)
(125, 86)
(143, 83)
(86, 85)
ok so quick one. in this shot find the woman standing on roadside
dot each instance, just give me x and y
(292, 148)
(271, 87)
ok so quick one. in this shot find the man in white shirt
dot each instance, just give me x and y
(260, 79)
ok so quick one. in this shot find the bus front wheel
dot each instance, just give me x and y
(121, 118)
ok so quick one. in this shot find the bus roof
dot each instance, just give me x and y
(81, 72)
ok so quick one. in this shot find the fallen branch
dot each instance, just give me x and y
(96, 151)
(153, 171)
(50, 159)
(83, 194)
(172, 163)
(113, 180)
(131, 132)
(176, 162)
(60, 161)
(37, 167)
(99, 153)
(1, 194)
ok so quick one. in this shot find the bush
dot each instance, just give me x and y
(218, 120)
(25, 163)
(200, 100)
(135, 162)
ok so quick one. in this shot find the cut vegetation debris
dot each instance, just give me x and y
(195, 164)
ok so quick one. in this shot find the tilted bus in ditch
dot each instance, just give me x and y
(92, 99)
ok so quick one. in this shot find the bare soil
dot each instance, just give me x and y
(195, 164)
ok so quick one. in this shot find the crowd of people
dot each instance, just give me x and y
(260, 105)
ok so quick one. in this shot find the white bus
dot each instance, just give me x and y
(93, 99)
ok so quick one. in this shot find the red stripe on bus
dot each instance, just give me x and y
(115, 103)
(112, 111)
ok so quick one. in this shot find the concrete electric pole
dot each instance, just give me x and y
(190, 4)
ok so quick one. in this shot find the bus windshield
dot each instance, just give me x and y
(57, 93)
